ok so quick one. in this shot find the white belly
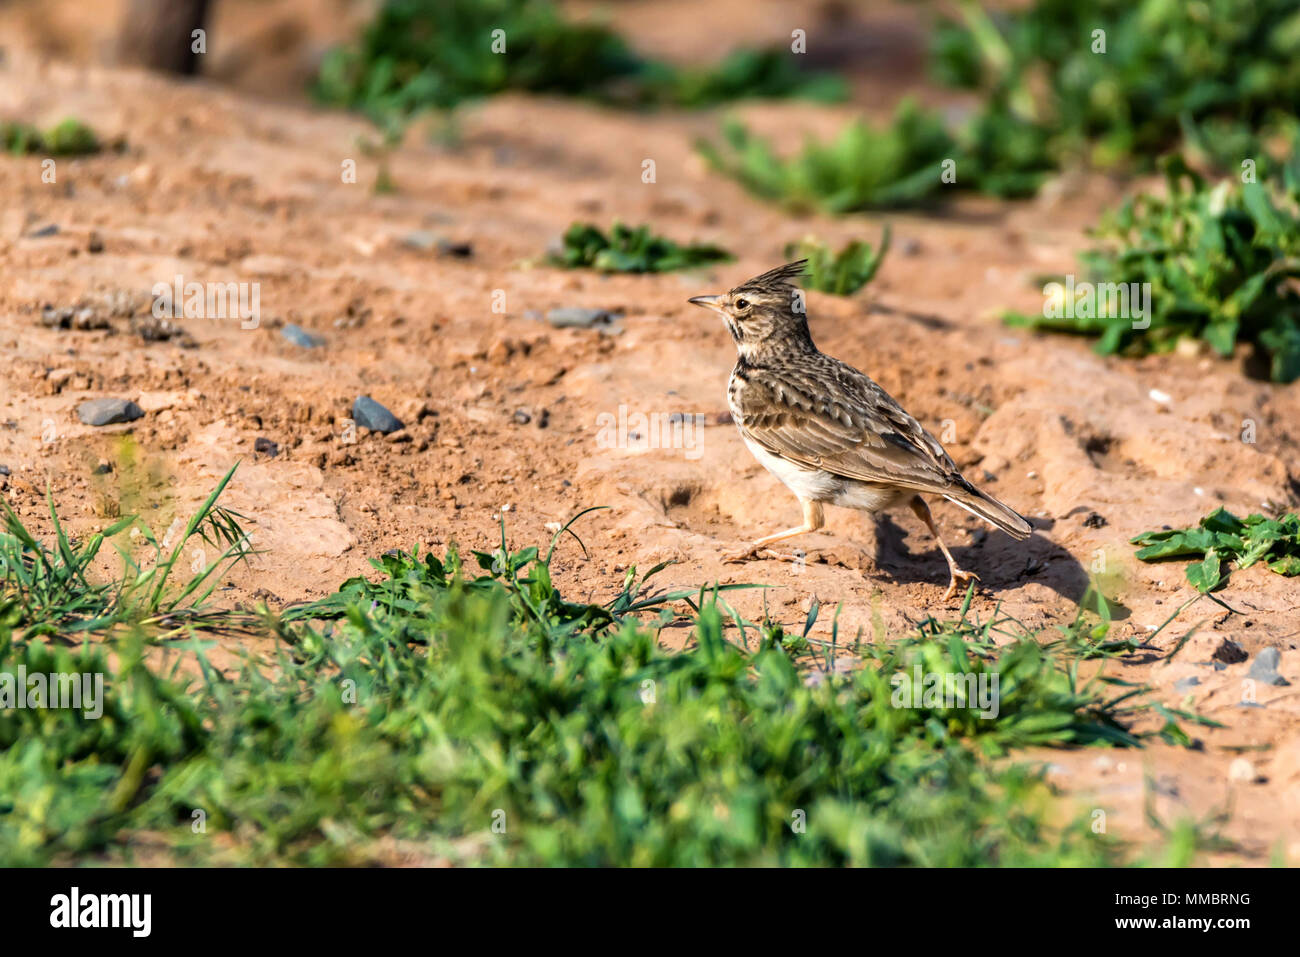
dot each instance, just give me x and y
(817, 486)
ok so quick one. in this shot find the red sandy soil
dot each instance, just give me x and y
(236, 178)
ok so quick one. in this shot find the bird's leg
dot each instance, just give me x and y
(813, 519)
(957, 574)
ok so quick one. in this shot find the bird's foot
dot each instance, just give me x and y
(958, 575)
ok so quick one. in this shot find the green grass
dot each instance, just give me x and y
(1222, 537)
(1221, 261)
(69, 138)
(465, 711)
(842, 273)
(53, 592)
(629, 249)
(433, 54)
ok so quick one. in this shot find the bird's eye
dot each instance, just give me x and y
(742, 303)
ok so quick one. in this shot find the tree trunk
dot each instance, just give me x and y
(159, 34)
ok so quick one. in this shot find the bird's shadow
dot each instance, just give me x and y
(1001, 565)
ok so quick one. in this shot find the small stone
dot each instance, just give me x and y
(543, 418)
(501, 349)
(522, 417)
(401, 435)
(578, 318)
(103, 468)
(108, 411)
(4, 470)
(369, 414)
(300, 336)
(1264, 667)
(86, 319)
(457, 250)
(265, 446)
(1094, 521)
(1241, 770)
(58, 378)
(95, 244)
(1184, 685)
(421, 239)
(44, 232)
(1229, 652)
(57, 318)
(152, 328)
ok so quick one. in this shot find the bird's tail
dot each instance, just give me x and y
(993, 511)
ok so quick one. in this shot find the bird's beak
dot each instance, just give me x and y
(709, 302)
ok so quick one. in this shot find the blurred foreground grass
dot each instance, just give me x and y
(466, 712)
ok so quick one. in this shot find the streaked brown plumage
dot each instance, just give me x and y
(830, 433)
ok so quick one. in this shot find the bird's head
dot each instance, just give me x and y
(763, 313)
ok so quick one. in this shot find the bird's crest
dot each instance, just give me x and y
(778, 280)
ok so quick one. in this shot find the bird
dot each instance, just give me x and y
(827, 431)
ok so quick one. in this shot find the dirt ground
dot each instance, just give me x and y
(236, 177)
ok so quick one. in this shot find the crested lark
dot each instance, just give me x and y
(825, 429)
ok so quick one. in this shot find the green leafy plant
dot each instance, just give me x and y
(1117, 78)
(742, 74)
(842, 273)
(863, 168)
(432, 54)
(1220, 263)
(69, 138)
(906, 162)
(627, 249)
(1222, 537)
(1231, 147)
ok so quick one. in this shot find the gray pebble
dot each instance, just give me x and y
(421, 239)
(1264, 667)
(369, 414)
(425, 241)
(1183, 685)
(300, 336)
(108, 411)
(574, 317)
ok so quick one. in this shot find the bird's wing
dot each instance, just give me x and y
(855, 430)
